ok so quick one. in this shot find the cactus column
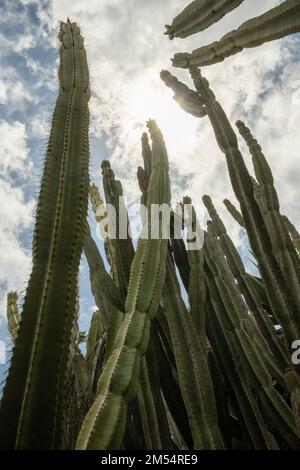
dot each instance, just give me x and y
(32, 407)
(276, 23)
(104, 425)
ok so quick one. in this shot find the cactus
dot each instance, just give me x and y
(13, 315)
(246, 286)
(285, 307)
(276, 23)
(234, 212)
(188, 100)
(199, 15)
(32, 407)
(162, 370)
(118, 382)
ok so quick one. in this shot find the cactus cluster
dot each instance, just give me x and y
(214, 371)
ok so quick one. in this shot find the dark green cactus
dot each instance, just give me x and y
(32, 407)
(199, 15)
(276, 23)
(234, 212)
(13, 315)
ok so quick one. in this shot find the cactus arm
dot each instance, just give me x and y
(256, 429)
(13, 316)
(188, 100)
(194, 379)
(292, 231)
(249, 349)
(103, 288)
(31, 412)
(123, 251)
(238, 270)
(292, 381)
(197, 289)
(198, 16)
(170, 388)
(281, 243)
(104, 424)
(234, 212)
(277, 288)
(276, 23)
(147, 156)
(150, 420)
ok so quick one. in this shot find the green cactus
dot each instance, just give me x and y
(285, 306)
(119, 379)
(283, 248)
(13, 315)
(234, 212)
(199, 15)
(188, 100)
(276, 23)
(246, 287)
(162, 370)
(32, 407)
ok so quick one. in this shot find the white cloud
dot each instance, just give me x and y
(13, 94)
(13, 150)
(126, 50)
(15, 260)
(15, 210)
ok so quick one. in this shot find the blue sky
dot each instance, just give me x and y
(126, 50)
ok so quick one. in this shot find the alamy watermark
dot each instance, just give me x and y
(296, 353)
(157, 221)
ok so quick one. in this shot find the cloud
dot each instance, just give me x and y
(15, 210)
(14, 150)
(15, 259)
(126, 50)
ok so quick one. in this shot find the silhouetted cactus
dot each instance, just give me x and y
(276, 23)
(199, 15)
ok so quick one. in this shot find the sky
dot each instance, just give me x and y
(126, 50)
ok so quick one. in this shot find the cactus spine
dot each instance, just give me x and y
(276, 23)
(32, 407)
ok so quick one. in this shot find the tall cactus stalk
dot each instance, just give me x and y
(104, 424)
(199, 15)
(246, 288)
(32, 407)
(281, 243)
(276, 23)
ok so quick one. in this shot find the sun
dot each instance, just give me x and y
(152, 100)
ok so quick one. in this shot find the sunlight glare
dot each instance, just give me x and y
(149, 102)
